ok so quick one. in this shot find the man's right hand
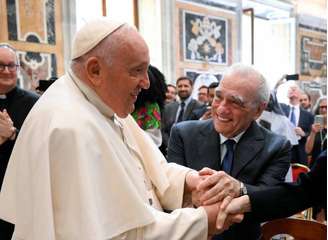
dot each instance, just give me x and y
(212, 212)
(6, 125)
(316, 127)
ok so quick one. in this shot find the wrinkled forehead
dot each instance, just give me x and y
(237, 86)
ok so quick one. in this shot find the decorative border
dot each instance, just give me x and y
(312, 54)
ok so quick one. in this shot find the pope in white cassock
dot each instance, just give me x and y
(82, 168)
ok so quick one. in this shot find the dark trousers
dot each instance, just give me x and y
(6, 230)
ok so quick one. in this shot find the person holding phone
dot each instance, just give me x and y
(302, 121)
(316, 143)
(317, 140)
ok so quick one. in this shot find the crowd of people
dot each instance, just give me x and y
(111, 151)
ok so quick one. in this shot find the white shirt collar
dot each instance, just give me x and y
(236, 138)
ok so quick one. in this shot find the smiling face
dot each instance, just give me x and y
(8, 78)
(122, 80)
(234, 106)
(184, 88)
(305, 101)
(170, 94)
(202, 95)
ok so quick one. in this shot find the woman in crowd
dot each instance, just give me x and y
(149, 105)
(317, 140)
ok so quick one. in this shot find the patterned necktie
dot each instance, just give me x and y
(182, 105)
(293, 117)
(228, 157)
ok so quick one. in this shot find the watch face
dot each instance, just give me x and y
(244, 189)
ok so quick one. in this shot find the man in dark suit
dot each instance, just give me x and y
(15, 104)
(181, 110)
(251, 156)
(282, 200)
(302, 120)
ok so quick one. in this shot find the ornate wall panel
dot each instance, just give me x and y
(206, 38)
(312, 54)
(34, 28)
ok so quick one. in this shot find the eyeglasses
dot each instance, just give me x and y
(10, 67)
(323, 107)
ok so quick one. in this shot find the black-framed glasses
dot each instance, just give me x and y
(10, 67)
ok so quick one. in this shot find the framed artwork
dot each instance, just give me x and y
(201, 78)
(312, 54)
(204, 38)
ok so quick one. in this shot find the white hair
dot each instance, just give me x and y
(249, 72)
(8, 46)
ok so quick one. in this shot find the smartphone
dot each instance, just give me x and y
(319, 119)
(292, 77)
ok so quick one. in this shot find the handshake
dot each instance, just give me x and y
(216, 191)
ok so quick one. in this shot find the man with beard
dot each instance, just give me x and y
(181, 110)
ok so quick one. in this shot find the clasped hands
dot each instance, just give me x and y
(214, 190)
(7, 129)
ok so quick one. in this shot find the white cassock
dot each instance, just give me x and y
(79, 172)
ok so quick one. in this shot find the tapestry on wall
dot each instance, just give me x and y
(313, 55)
(204, 38)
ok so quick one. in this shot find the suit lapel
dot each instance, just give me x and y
(189, 109)
(247, 148)
(209, 146)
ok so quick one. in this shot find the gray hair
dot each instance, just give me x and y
(317, 104)
(249, 72)
(8, 46)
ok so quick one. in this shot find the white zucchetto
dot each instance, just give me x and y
(92, 33)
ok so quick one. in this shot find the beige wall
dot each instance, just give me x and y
(316, 8)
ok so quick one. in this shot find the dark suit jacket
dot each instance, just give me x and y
(169, 115)
(305, 122)
(290, 198)
(18, 103)
(261, 158)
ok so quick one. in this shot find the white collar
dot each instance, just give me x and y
(92, 96)
(235, 138)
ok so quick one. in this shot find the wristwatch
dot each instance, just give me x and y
(243, 189)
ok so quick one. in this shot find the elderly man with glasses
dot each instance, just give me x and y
(15, 104)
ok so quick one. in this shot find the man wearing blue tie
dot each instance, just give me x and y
(301, 119)
(244, 156)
